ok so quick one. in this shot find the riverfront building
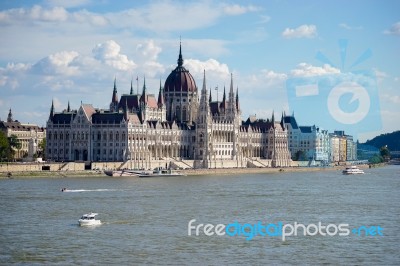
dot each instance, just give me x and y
(29, 135)
(317, 144)
(181, 127)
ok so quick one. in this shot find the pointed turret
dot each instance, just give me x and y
(223, 103)
(10, 117)
(231, 95)
(210, 98)
(131, 92)
(114, 99)
(204, 100)
(51, 111)
(160, 101)
(237, 99)
(143, 99)
(68, 108)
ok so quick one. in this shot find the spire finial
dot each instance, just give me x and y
(180, 59)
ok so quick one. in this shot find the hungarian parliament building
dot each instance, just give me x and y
(181, 127)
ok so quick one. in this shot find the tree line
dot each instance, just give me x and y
(9, 146)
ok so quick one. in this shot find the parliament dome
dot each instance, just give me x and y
(180, 79)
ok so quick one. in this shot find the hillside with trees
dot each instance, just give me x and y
(392, 140)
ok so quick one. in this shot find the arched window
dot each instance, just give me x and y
(178, 113)
(184, 114)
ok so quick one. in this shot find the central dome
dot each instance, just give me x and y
(180, 79)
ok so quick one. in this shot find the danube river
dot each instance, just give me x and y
(146, 220)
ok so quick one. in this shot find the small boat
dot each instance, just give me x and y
(161, 172)
(352, 170)
(63, 189)
(126, 172)
(89, 219)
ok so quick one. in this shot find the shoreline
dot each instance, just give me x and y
(189, 172)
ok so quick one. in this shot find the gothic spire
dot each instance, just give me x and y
(68, 108)
(180, 59)
(131, 92)
(210, 99)
(144, 96)
(237, 99)
(51, 110)
(231, 97)
(115, 95)
(160, 101)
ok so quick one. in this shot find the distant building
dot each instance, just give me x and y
(312, 140)
(182, 127)
(343, 147)
(29, 135)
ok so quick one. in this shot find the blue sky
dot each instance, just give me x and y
(72, 50)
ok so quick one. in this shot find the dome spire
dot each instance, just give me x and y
(10, 117)
(180, 59)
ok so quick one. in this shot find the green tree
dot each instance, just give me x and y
(15, 144)
(385, 153)
(376, 159)
(42, 149)
(4, 147)
(300, 156)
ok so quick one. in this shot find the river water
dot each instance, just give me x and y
(146, 220)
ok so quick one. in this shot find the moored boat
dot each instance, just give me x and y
(352, 170)
(158, 172)
(125, 172)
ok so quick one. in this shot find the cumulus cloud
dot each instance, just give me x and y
(58, 63)
(394, 29)
(303, 31)
(307, 70)
(271, 75)
(238, 9)
(34, 14)
(109, 53)
(216, 72)
(67, 4)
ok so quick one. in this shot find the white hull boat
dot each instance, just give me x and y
(89, 219)
(352, 170)
(161, 173)
(124, 172)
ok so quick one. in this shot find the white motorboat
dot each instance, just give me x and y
(352, 170)
(158, 172)
(89, 219)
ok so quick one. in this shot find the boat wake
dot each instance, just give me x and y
(90, 190)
